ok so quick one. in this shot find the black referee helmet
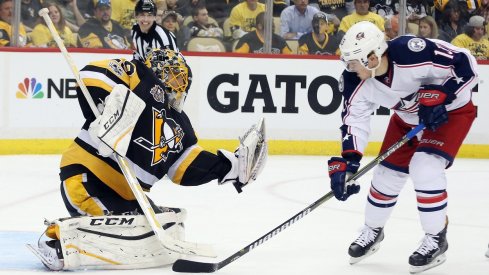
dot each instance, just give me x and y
(145, 6)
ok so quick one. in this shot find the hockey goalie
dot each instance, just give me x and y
(142, 120)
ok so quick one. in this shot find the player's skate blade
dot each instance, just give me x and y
(436, 262)
(366, 244)
(373, 249)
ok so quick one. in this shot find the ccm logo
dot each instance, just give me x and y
(113, 118)
(111, 221)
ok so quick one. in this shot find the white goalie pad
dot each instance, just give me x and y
(117, 241)
(250, 157)
(115, 125)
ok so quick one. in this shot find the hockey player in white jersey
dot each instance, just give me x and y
(421, 81)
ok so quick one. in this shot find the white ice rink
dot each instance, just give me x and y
(316, 244)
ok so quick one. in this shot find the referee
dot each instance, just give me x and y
(146, 34)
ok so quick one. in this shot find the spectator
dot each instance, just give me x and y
(384, 8)
(417, 9)
(74, 18)
(242, 18)
(279, 6)
(361, 13)
(123, 13)
(169, 22)
(146, 34)
(42, 37)
(6, 14)
(428, 27)
(319, 41)
(340, 8)
(185, 7)
(172, 5)
(200, 26)
(29, 13)
(391, 26)
(101, 31)
(483, 11)
(86, 8)
(473, 38)
(220, 9)
(160, 11)
(452, 23)
(295, 20)
(252, 42)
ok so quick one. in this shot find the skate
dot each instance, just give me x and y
(366, 244)
(431, 253)
(47, 252)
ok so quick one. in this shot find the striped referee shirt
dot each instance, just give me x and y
(157, 37)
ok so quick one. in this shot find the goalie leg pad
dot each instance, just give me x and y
(115, 125)
(116, 242)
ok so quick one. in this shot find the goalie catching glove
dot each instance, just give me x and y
(112, 130)
(250, 157)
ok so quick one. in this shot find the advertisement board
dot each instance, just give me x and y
(298, 97)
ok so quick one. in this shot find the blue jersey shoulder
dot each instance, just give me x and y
(407, 49)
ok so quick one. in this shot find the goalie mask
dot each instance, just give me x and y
(170, 66)
(360, 41)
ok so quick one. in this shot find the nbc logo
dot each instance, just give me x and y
(30, 88)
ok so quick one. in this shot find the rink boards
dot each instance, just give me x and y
(298, 96)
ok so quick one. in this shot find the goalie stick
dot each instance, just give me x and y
(189, 266)
(168, 242)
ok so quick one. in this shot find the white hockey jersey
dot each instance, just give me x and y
(413, 62)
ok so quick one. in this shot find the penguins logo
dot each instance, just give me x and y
(167, 137)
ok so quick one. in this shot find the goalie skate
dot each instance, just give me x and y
(366, 244)
(48, 252)
(430, 254)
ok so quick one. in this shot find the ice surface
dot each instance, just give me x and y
(316, 244)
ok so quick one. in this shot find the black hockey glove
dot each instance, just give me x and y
(339, 170)
(432, 111)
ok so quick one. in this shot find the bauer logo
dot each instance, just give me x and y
(62, 88)
(29, 88)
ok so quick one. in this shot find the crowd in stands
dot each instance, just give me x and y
(299, 26)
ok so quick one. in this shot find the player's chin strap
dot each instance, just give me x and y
(250, 157)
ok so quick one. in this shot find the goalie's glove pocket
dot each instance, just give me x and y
(250, 157)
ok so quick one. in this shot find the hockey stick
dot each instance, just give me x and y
(202, 267)
(168, 242)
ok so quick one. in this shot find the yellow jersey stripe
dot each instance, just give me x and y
(185, 163)
(79, 196)
(108, 175)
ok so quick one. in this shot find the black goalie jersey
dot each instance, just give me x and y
(163, 141)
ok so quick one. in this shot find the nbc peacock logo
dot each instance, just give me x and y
(30, 88)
